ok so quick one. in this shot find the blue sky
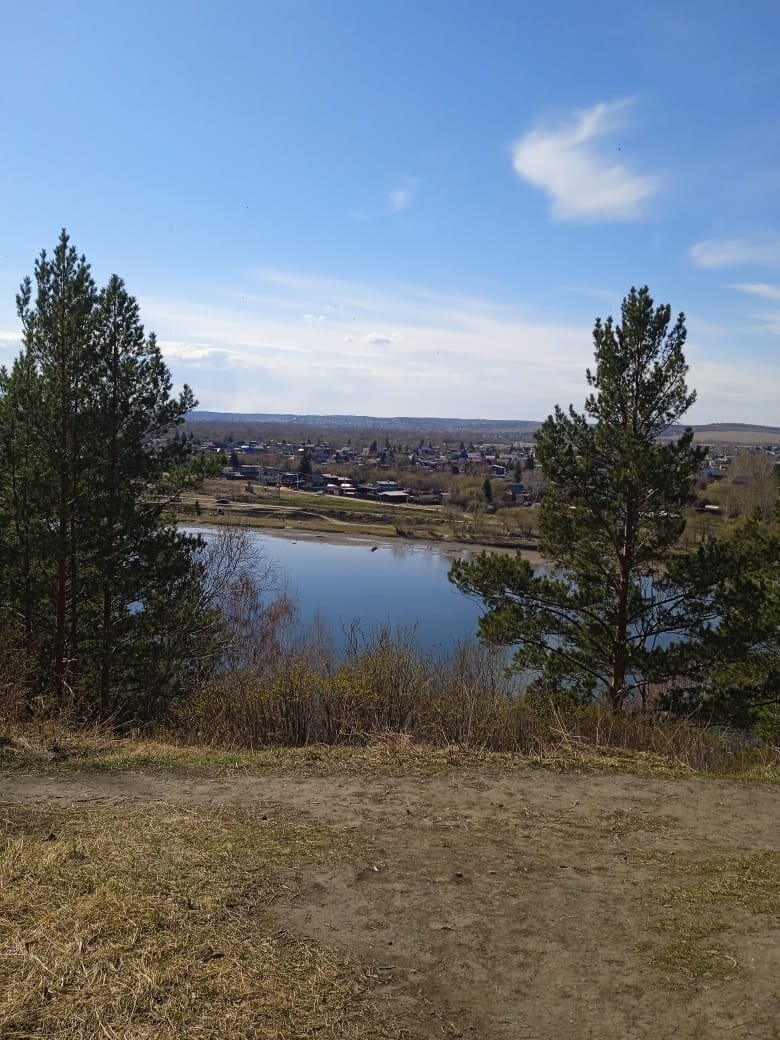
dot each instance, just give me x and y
(408, 208)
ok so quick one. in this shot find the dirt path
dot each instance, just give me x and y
(512, 907)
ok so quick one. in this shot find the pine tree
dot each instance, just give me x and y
(612, 511)
(22, 587)
(58, 342)
(131, 411)
(95, 576)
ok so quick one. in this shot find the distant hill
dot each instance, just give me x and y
(731, 433)
(373, 422)
(743, 433)
(719, 427)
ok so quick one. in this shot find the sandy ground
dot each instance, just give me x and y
(509, 906)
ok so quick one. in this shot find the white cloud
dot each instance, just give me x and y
(402, 197)
(441, 354)
(763, 290)
(578, 166)
(375, 339)
(10, 345)
(750, 251)
(768, 321)
(313, 318)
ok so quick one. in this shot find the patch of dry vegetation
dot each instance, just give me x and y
(467, 702)
(51, 749)
(699, 916)
(129, 922)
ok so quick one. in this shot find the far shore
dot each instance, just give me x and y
(452, 549)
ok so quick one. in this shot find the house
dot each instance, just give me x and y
(394, 497)
(518, 493)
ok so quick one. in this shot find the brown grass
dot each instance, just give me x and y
(130, 922)
(386, 709)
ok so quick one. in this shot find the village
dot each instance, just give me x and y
(424, 473)
(427, 488)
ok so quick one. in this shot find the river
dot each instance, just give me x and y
(395, 584)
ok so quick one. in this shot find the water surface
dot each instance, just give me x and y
(400, 585)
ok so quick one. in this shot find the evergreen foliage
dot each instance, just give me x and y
(98, 590)
(610, 516)
(729, 668)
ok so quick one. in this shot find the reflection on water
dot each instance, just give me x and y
(396, 584)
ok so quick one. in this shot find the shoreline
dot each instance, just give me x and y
(452, 549)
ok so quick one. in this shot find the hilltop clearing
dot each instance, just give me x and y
(487, 900)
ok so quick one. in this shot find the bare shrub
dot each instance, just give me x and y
(385, 686)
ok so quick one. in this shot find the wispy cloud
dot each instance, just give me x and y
(768, 321)
(580, 166)
(402, 197)
(749, 251)
(387, 349)
(403, 350)
(727, 387)
(763, 290)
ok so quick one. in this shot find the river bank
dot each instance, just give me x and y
(287, 509)
(453, 549)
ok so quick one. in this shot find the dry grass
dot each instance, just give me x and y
(51, 748)
(715, 897)
(154, 922)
